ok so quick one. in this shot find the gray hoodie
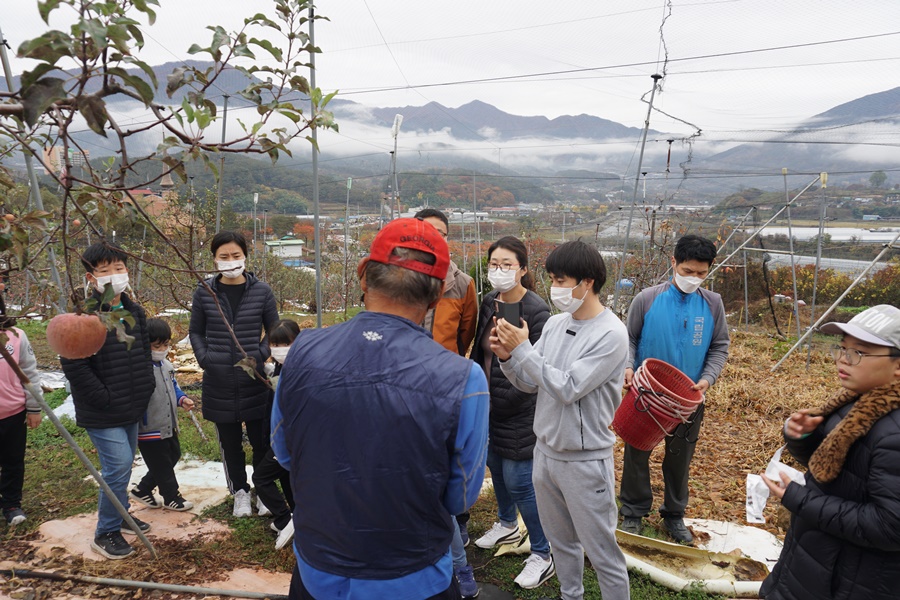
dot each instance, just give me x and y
(577, 369)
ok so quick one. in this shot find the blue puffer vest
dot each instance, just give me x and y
(370, 410)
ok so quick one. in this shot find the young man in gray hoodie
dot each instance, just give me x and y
(577, 369)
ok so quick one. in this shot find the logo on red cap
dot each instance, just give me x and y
(414, 234)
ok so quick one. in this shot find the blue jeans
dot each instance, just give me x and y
(457, 550)
(514, 489)
(115, 448)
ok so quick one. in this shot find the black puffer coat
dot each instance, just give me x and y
(512, 411)
(113, 387)
(229, 394)
(844, 538)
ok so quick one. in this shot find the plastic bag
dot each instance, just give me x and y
(758, 491)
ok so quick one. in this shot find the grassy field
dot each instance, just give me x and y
(744, 413)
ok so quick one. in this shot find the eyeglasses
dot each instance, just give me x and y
(854, 357)
(503, 268)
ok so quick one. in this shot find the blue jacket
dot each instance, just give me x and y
(688, 331)
(369, 419)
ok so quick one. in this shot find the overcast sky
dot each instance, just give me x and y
(582, 56)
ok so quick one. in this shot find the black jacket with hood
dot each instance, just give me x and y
(112, 388)
(512, 410)
(230, 395)
(844, 538)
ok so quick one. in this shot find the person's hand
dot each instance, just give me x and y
(629, 376)
(496, 347)
(510, 335)
(187, 403)
(701, 386)
(33, 420)
(800, 423)
(777, 489)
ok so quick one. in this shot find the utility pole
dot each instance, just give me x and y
(315, 166)
(346, 248)
(395, 130)
(255, 202)
(656, 77)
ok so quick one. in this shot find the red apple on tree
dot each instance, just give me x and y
(75, 336)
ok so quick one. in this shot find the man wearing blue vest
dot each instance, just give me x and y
(384, 433)
(684, 325)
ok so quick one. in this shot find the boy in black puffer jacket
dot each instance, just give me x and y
(111, 391)
(844, 539)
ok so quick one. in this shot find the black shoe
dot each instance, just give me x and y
(632, 525)
(112, 545)
(14, 516)
(178, 503)
(145, 498)
(126, 528)
(678, 530)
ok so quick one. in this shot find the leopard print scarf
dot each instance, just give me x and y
(828, 459)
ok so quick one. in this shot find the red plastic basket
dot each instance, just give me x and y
(638, 421)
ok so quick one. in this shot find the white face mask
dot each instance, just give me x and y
(503, 282)
(231, 269)
(563, 299)
(279, 353)
(688, 285)
(119, 282)
(159, 355)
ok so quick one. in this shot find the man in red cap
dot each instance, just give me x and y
(384, 433)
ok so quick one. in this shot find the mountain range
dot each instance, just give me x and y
(444, 137)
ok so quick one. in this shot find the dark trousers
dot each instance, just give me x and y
(298, 592)
(265, 476)
(12, 460)
(635, 493)
(161, 456)
(231, 438)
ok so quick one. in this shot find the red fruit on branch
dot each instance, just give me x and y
(75, 336)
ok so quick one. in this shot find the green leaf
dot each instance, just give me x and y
(267, 45)
(136, 83)
(48, 48)
(107, 295)
(188, 109)
(197, 49)
(29, 77)
(141, 5)
(143, 67)
(95, 29)
(45, 8)
(137, 34)
(261, 19)
(37, 98)
(243, 50)
(93, 109)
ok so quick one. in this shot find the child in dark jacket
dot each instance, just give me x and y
(158, 431)
(844, 538)
(111, 391)
(17, 407)
(279, 503)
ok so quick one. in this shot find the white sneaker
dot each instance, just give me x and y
(285, 535)
(242, 507)
(536, 571)
(498, 534)
(261, 510)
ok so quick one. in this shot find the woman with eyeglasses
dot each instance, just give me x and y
(512, 438)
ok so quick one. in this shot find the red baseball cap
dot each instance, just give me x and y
(415, 234)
